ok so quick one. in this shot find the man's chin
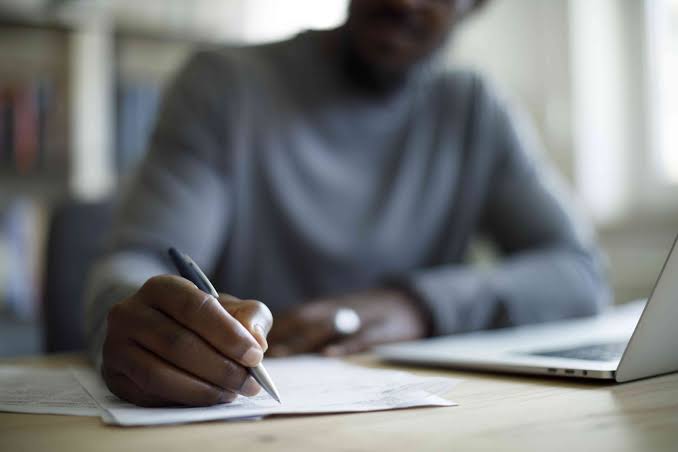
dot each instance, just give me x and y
(383, 61)
(391, 66)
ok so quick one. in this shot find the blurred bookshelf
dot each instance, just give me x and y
(80, 86)
(79, 93)
(144, 64)
(33, 111)
(45, 52)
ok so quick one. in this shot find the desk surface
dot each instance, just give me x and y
(496, 412)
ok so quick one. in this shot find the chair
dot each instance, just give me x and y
(75, 239)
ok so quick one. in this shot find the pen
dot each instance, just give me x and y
(190, 270)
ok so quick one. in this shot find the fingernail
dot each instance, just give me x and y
(262, 334)
(250, 387)
(253, 356)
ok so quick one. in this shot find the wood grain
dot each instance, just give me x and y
(496, 412)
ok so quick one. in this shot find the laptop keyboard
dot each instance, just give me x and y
(595, 352)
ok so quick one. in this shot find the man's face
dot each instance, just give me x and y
(392, 35)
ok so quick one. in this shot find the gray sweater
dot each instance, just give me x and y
(286, 182)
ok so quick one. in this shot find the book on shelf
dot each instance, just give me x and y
(22, 229)
(137, 105)
(28, 144)
(6, 127)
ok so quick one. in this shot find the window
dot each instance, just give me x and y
(270, 20)
(624, 60)
(662, 39)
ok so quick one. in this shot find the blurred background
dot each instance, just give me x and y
(80, 83)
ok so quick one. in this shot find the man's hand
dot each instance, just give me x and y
(385, 315)
(170, 343)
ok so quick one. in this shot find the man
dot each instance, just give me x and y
(338, 170)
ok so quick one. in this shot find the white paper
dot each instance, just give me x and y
(45, 391)
(306, 384)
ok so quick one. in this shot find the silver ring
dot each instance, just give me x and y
(346, 321)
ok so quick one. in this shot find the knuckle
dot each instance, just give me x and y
(180, 340)
(115, 313)
(157, 283)
(190, 305)
(151, 283)
(261, 309)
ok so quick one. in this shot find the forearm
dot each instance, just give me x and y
(529, 287)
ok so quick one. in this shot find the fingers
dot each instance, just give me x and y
(152, 381)
(281, 332)
(186, 350)
(170, 343)
(346, 347)
(126, 389)
(307, 329)
(359, 342)
(202, 314)
(252, 314)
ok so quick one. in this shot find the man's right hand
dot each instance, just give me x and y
(172, 344)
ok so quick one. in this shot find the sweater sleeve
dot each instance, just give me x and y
(179, 197)
(550, 267)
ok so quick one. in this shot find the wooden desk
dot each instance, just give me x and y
(495, 413)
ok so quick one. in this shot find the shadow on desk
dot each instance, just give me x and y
(551, 381)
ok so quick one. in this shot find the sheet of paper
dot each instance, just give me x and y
(46, 391)
(306, 384)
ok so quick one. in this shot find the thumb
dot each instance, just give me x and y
(254, 316)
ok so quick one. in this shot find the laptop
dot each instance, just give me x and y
(628, 342)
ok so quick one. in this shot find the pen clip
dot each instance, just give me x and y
(189, 270)
(203, 278)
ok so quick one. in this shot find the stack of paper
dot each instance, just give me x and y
(47, 391)
(307, 385)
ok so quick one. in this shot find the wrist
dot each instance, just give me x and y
(415, 305)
